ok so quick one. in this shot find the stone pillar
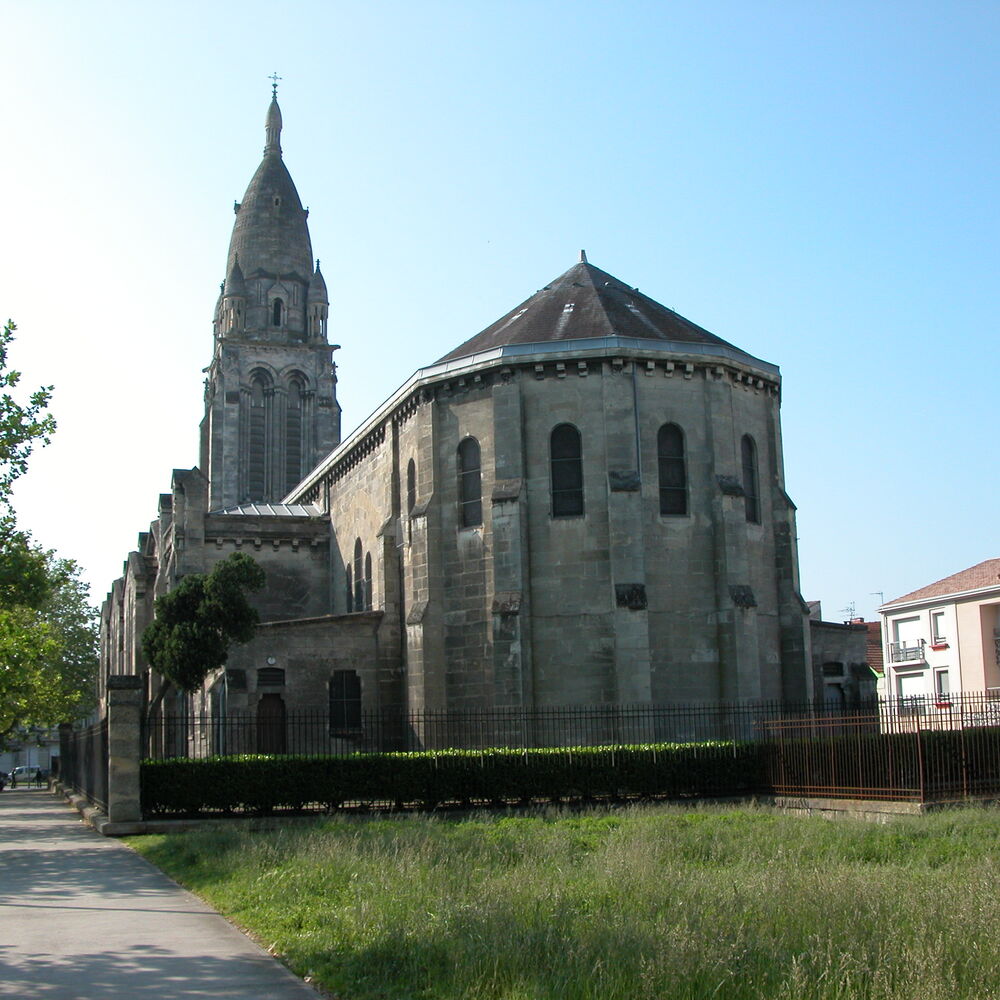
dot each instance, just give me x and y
(124, 747)
(626, 535)
(513, 685)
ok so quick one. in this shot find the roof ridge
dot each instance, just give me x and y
(951, 583)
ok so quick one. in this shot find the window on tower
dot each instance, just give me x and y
(470, 491)
(566, 460)
(293, 433)
(673, 474)
(260, 398)
(277, 312)
(751, 489)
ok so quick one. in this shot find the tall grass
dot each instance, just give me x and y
(644, 903)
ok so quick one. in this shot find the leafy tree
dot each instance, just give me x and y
(48, 630)
(25, 578)
(48, 653)
(21, 425)
(197, 621)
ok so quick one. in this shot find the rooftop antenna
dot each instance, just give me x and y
(274, 78)
(880, 594)
(850, 613)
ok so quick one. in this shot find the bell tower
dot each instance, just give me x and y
(271, 410)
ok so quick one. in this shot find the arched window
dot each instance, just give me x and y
(359, 577)
(277, 312)
(293, 434)
(349, 604)
(411, 486)
(345, 702)
(270, 677)
(470, 490)
(751, 493)
(566, 453)
(260, 398)
(673, 474)
(368, 581)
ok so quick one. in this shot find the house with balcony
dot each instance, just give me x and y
(944, 639)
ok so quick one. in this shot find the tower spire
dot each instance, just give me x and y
(272, 125)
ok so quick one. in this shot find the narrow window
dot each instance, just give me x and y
(470, 490)
(350, 590)
(411, 486)
(567, 471)
(258, 437)
(942, 686)
(673, 474)
(345, 701)
(276, 312)
(359, 577)
(293, 434)
(937, 628)
(368, 581)
(750, 487)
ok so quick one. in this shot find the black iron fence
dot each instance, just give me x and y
(918, 749)
(922, 749)
(83, 761)
(315, 733)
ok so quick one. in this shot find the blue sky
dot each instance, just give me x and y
(814, 182)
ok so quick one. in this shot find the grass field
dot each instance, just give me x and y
(652, 902)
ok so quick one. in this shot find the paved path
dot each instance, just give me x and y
(84, 918)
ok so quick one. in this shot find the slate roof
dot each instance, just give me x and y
(272, 510)
(586, 303)
(984, 574)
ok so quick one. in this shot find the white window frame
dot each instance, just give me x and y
(938, 621)
(939, 694)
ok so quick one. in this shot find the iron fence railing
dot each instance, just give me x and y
(900, 652)
(316, 732)
(922, 749)
(83, 761)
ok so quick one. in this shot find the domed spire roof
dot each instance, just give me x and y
(586, 303)
(270, 233)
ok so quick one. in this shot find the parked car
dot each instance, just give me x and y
(26, 774)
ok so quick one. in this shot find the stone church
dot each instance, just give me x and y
(582, 505)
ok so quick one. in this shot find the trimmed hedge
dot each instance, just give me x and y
(260, 784)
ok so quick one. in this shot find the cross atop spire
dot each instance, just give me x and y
(274, 78)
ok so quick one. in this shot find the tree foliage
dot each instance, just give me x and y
(48, 653)
(21, 424)
(197, 621)
(48, 629)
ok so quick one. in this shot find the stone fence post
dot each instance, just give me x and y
(124, 747)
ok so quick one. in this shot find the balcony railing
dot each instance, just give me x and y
(900, 652)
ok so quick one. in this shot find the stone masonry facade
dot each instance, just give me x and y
(583, 504)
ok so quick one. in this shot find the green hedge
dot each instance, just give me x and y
(260, 784)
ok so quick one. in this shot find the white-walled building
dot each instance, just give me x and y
(944, 638)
